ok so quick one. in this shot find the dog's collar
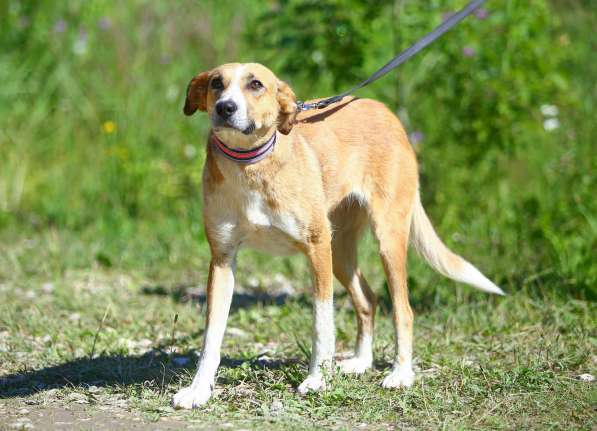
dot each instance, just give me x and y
(246, 157)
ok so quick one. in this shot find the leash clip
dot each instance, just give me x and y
(302, 106)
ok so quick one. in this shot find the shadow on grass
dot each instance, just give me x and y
(156, 367)
(189, 293)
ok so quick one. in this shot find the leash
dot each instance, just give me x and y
(401, 58)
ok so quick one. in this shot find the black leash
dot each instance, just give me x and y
(400, 58)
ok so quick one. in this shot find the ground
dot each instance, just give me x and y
(105, 349)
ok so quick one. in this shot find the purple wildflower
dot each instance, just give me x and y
(467, 51)
(104, 23)
(416, 137)
(481, 13)
(60, 26)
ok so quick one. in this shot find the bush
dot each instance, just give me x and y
(92, 139)
(494, 165)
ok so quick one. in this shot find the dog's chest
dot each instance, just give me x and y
(259, 225)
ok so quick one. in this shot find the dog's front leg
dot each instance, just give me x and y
(322, 350)
(220, 286)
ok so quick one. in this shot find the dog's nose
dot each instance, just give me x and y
(226, 108)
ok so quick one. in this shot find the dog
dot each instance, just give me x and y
(310, 183)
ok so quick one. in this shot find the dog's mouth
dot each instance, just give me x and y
(249, 129)
(225, 124)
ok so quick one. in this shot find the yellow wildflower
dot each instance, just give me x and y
(564, 39)
(109, 127)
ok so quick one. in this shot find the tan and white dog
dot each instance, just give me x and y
(310, 184)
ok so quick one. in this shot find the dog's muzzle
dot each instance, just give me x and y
(226, 109)
(225, 117)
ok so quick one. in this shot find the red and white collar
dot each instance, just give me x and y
(246, 157)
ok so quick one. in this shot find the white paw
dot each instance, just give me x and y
(190, 397)
(399, 378)
(355, 365)
(311, 384)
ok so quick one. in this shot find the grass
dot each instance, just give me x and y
(123, 342)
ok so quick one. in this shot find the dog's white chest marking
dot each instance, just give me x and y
(260, 215)
(258, 226)
(266, 230)
(255, 211)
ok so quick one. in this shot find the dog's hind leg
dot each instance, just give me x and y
(350, 224)
(391, 226)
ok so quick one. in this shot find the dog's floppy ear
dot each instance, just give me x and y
(197, 94)
(287, 104)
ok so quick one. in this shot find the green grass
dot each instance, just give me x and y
(483, 362)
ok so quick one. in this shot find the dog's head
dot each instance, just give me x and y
(242, 98)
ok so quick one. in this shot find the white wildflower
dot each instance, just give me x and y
(551, 124)
(190, 151)
(549, 110)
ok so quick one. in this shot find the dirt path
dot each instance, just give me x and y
(28, 414)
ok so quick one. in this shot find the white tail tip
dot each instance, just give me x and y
(471, 275)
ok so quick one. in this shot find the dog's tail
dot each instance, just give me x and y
(442, 259)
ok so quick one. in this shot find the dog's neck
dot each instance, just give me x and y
(241, 149)
(245, 157)
(235, 139)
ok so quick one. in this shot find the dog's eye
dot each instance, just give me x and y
(255, 85)
(217, 84)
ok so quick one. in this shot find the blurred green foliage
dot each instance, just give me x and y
(501, 111)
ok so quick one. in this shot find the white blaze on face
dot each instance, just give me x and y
(234, 93)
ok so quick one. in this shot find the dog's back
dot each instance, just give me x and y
(363, 144)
